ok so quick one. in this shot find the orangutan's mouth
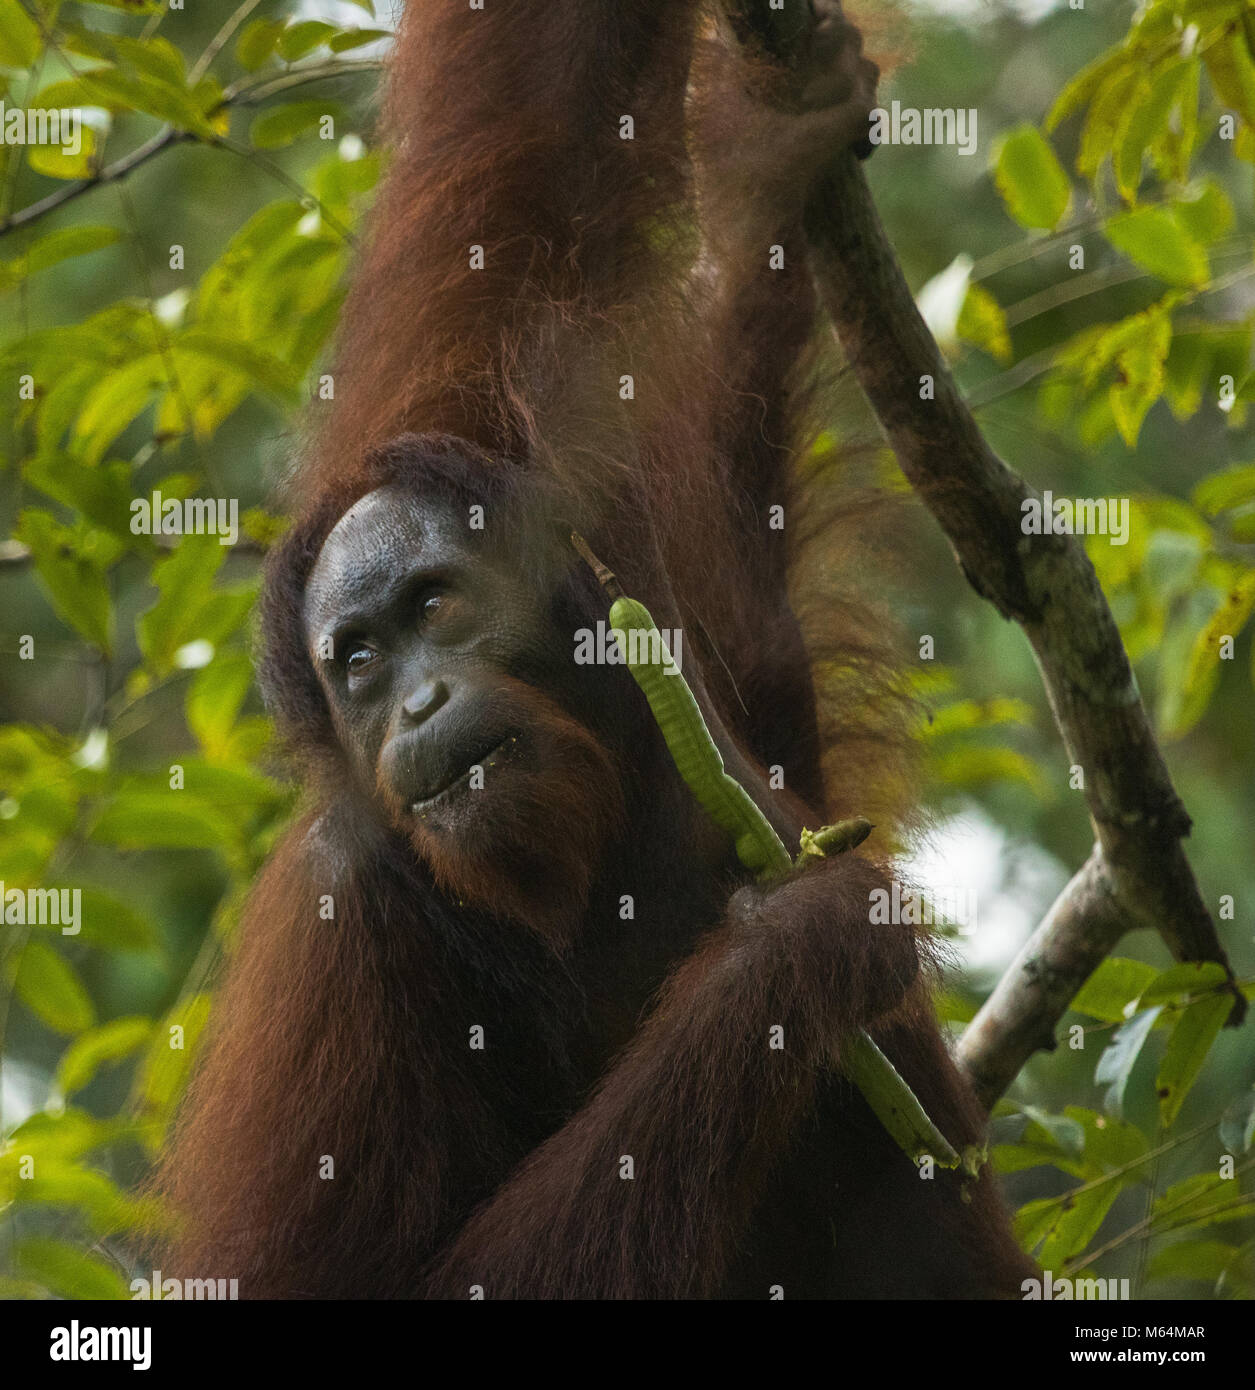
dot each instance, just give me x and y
(461, 781)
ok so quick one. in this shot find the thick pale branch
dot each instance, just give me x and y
(1046, 583)
(1018, 1018)
(1141, 876)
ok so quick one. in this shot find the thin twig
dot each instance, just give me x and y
(244, 95)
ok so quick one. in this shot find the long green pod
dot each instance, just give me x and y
(688, 740)
(895, 1105)
(761, 850)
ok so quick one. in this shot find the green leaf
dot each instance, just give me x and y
(1077, 1225)
(1188, 1046)
(69, 1134)
(50, 989)
(242, 359)
(983, 323)
(101, 1202)
(74, 582)
(1081, 89)
(1145, 340)
(1149, 122)
(1205, 212)
(1221, 491)
(1155, 240)
(215, 698)
(110, 1042)
(1181, 981)
(1232, 74)
(55, 247)
(273, 129)
(115, 926)
(133, 7)
(1204, 1260)
(964, 716)
(1107, 116)
(189, 608)
(166, 1066)
(20, 43)
(1174, 149)
(152, 819)
(1110, 1144)
(1030, 179)
(1132, 136)
(341, 180)
(239, 791)
(154, 56)
(1172, 515)
(357, 38)
(257, 42)
(1206, 1199)
(1066, 1131)
(1056, 1140)
(148, 91)
(1203, 669)
(303, 37)
(1034, 1221)
(67, 1271)
(62, 162)
(1016, 1158)
(102, 495)
(184, 580)
(1116, 1063)
(1063, 1228)
(119, 399)
(972, 766)
(1187, 372)
(1115, 985)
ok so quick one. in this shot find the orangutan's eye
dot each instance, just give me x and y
(360, 657)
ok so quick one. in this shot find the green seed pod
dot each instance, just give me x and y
(896, 1105)
(688, 739)
(760, 849)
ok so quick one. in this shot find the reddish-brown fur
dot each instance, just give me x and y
(458, 1168)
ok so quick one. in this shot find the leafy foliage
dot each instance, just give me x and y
(133, 397)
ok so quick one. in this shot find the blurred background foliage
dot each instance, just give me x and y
(166, 296)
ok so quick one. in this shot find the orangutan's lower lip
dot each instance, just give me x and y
(426, 802)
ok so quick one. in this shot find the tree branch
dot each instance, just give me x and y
(1018, 1018)
(248, 94)
(1139, 875)
(119, 169)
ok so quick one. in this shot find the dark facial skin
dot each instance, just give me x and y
(423, 619)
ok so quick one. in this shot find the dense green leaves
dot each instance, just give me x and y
(147, 345)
